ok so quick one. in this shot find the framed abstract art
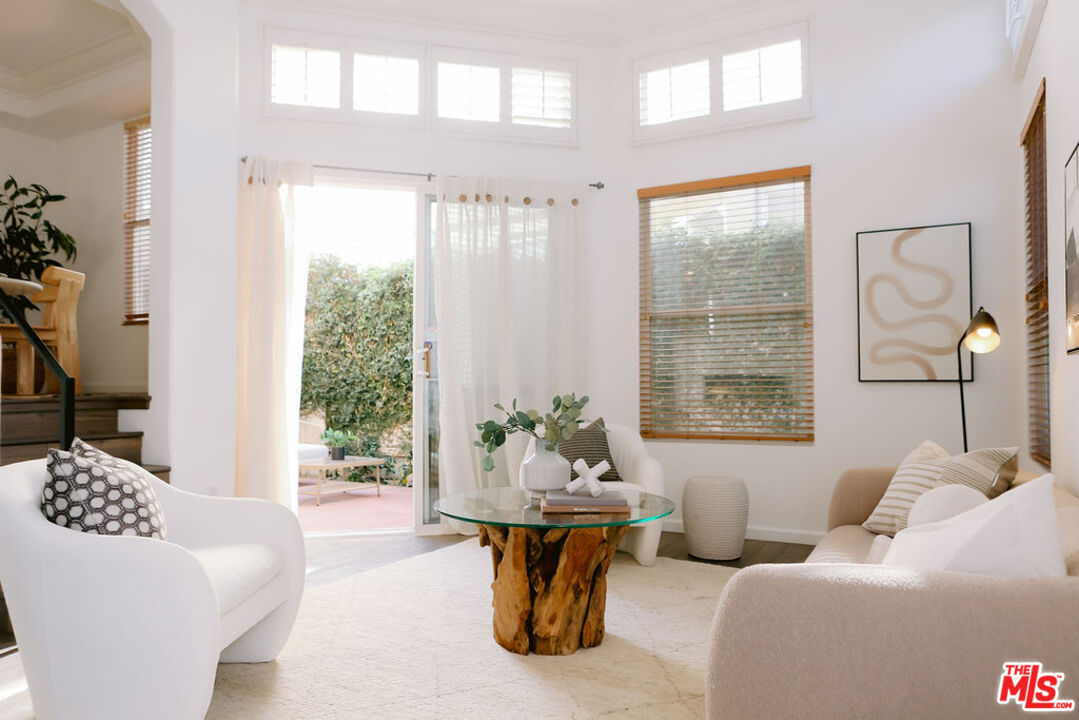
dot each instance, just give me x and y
(1071, 256)
(914, 300)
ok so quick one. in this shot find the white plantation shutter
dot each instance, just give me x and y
(469, 92)
(542, 97)
(305, 76)
(137, 163)
(726, 324)
(675, 93)
(385, 84)
(762, 76)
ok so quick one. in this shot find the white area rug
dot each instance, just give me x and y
(413, 640)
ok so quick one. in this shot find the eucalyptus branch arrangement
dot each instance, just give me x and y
(559, 424)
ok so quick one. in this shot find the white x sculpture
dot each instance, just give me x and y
(588, 477)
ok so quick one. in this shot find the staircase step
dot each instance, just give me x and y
(37, 418)
(126, 445)
(162, 472)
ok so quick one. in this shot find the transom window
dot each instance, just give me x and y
(305, 76)
(750, 79)
(675, 93)
(469, 92)
(542, 97)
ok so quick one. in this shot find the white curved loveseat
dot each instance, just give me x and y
(638, 470)
(130, 627)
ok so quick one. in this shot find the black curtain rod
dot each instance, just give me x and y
(599, 185)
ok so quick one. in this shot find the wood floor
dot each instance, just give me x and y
(755, 552)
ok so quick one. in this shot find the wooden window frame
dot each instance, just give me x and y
(1036, 295)
(131, 145)
(646, 314)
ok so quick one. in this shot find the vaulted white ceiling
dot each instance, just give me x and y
(598, 21)
(67, 66)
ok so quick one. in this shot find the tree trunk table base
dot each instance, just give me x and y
(550, 586)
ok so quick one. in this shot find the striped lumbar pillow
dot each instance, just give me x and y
(989, 471)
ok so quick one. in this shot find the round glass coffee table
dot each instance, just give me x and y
(550, 586)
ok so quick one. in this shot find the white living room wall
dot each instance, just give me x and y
(28, 158)
(1055, 58)
(114, 356)
(906, 130)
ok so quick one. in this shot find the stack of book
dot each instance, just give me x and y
(560, 502)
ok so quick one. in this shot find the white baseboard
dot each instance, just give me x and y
(802, 537)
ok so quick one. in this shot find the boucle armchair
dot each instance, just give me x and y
(834, 639)
(130, 627)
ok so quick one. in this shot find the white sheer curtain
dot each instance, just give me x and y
(508, 277)
(271, 287)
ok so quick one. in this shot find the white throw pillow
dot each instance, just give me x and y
(944, 502)
(1014, 535)
(878, 550)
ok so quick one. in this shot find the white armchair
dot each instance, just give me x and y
(638, 470)
(129, 627)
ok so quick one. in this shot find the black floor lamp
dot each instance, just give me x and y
(981, 336)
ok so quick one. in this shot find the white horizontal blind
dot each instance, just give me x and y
(542, 97)
(675, 93)
(762, 76)
(305, 76)
(385, 84)
(726, 324)
(137, 165)
(469, 92)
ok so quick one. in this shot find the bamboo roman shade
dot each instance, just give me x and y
(726, 323)
(137, 221)
(1037, 289)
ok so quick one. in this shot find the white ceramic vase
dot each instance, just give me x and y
(544, 470)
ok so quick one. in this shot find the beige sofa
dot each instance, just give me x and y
(834, 638)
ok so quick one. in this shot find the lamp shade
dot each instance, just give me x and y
(982, 335)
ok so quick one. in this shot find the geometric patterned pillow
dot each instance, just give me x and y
(989, 471)
(103, 500)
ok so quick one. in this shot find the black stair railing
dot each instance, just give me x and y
(67, 383)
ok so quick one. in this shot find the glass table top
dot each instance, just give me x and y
(509, 507)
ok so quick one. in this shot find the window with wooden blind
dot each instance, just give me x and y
(1037, 287)
(726, 309)
(137, 221)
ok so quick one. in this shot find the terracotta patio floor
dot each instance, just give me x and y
(360, 509)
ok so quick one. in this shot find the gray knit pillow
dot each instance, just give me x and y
(590, 444)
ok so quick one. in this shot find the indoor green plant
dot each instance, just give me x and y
(544, 469)
(337, 441)
(28, 241)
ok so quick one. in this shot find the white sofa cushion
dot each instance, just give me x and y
(944, 502)
(1015, 535)
(237, 571)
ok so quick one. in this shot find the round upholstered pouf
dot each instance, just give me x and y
(714, 512)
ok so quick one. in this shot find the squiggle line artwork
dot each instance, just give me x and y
(895, 350)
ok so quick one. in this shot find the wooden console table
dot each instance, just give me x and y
(329, 487)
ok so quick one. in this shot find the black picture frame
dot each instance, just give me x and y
(1071, 264)
(858, 239)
